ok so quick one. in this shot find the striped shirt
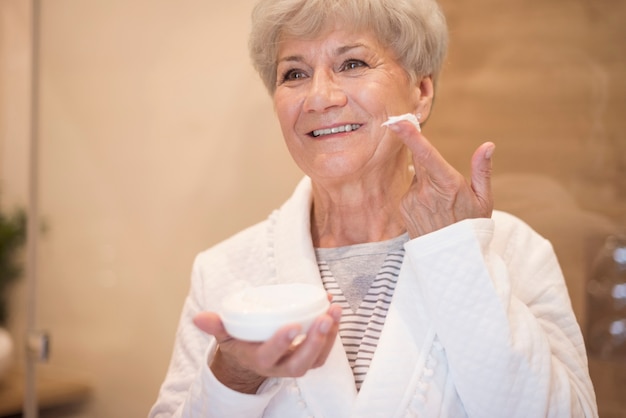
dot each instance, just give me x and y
(362, 278)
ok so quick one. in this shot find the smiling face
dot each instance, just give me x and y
(332, 95)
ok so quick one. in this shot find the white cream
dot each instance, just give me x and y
(407, 116)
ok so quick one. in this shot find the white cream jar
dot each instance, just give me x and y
(256, 313)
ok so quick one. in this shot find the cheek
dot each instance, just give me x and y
(383, 99)
(286, 110)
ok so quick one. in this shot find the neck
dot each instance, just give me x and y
(360, 211)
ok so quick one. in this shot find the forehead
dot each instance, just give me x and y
(334, 42)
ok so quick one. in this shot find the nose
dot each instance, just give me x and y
(324, 93)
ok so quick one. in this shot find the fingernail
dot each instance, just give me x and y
(489, 152)
(394, 127)
(293, 333)
(325, 325)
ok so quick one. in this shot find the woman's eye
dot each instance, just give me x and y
(292, 75)
(353, 65)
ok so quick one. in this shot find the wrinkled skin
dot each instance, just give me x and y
(439, 195)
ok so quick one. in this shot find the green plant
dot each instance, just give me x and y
(12, 239)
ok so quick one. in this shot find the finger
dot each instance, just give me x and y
(329, 297)
(481, 174)
(211, 323)
(424, 153)
(273, 351)
(305, 357)
(335, 313)
(325, 332)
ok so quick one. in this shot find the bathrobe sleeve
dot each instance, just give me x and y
(497, 298)
(190, 389)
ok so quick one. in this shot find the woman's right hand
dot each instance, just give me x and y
(243, 366)
(440, 195)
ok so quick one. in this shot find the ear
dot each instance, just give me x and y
(425, 91)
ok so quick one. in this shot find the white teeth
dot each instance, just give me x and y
(336, 130)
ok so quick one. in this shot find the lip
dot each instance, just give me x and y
(336, 129)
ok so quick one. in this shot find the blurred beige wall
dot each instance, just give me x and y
(158, 140)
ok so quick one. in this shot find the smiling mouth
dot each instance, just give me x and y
(336, 130)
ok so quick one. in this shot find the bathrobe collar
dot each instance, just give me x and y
(405, 338)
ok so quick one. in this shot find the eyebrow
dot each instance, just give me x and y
(339, 51)
(342, 50)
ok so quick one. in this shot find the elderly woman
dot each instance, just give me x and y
(442, 307)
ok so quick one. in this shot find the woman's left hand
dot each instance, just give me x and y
(439, 195)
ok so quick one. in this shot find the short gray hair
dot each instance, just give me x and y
(415, 30)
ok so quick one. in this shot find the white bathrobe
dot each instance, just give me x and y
(480, 325)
